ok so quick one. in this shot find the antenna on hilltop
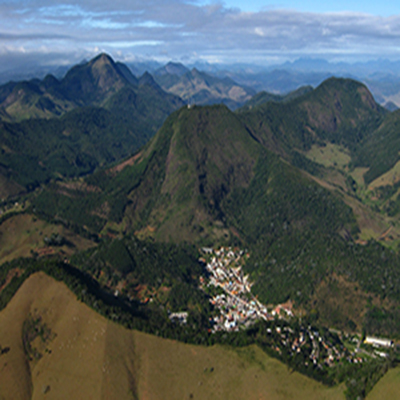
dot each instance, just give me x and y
(189, 105)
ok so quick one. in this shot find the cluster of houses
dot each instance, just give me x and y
(237, 306)
(307, 341)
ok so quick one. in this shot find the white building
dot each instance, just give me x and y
(378, 342)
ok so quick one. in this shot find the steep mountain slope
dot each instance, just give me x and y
(94, 81)
(197, 87)
(88, 84)
(178, 181)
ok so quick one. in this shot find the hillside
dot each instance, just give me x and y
(381, 152)
(186, 184)
(338, 111)
(84, 355)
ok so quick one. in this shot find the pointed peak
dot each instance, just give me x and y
(172, 68)
(147, 79)
(102, 58)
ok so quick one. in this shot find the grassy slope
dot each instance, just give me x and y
(388, 387)
(95, 359)
(329, 155)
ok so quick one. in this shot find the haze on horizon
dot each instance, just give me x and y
(64, 32)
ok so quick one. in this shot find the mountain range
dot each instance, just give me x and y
(307, 183)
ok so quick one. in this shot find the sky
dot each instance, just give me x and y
(62, 32)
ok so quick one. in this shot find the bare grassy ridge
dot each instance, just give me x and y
(89, 357)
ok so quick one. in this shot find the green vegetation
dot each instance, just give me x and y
(339, 111)
(110, 115)
(209, 177)
(33, 328)
(381, 151)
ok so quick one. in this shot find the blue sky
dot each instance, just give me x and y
(386, 8)
(251, 31)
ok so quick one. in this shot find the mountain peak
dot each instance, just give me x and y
(147, 79)
(195, 71)
(101, 59)
(172, 68)
(94, 79)
(345, 87)
(201, 151)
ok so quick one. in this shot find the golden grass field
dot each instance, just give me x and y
(388, 388)
(89, 357)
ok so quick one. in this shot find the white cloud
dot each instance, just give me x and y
(179, 28)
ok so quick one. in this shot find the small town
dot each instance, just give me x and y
(237, 308)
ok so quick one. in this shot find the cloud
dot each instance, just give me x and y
(189, 29)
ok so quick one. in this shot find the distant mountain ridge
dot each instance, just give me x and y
(89, 84)
(172, 69)
(199, 88)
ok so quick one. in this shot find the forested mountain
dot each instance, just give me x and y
(97, 114)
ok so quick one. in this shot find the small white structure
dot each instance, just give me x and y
(180, 317)
(378, 342)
